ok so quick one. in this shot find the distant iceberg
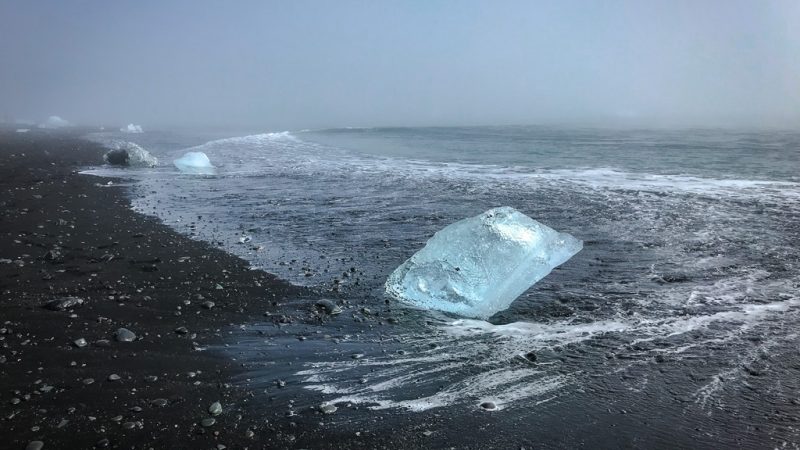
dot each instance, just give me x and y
(54, 122)
(195, 163)
(131, 128)
(23, 130)
(478, 266)
(124, 153)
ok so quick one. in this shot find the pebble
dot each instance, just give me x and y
(151, 378)
(113, 377)
(102, 443)
(129, 425)
(124, 335)
(80, 342)
(208, 422)
(159, 402)
(35, 445)
(208, 305)
(182, 330)
(215, 409)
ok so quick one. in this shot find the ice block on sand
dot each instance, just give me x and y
(196, 163)
(478, 266)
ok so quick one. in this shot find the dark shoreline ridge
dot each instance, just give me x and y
(72, 235)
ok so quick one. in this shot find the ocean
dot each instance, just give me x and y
(681, 311)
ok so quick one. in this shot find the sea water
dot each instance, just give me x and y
(683, 300)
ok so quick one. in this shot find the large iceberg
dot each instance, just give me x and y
(477, 266)
(196, 163)
(123, 153)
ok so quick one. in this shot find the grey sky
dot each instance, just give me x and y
(303, 64)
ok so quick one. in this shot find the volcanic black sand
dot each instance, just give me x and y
(65, 377)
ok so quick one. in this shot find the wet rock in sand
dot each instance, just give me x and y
(329, 307)
(35, 445)
(124, 335)
(209, 422)
(64, 303)
(327, 408)
(159, 402)
(182, 330)
(208, 305)
(113, 377)
(80, 343)
(489, 406)
(215, 409)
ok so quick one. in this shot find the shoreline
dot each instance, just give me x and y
(67, 381)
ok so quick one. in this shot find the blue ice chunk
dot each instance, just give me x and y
(478, 266)
(196, 163)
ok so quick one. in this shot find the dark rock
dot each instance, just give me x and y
(35, 445)
(159, 402)
(80, 343)
(329, 307)
(182, 330)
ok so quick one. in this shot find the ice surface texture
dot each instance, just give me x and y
(124, 153)
(478, 266)
(195, 162)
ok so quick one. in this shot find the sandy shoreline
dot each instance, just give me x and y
(71, 235)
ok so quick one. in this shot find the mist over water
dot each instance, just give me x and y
(685, 295)
(313, 64)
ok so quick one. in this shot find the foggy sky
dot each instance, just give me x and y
(303, 64)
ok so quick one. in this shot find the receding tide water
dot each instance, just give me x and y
(676, 326)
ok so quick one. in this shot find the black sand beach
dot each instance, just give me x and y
(66, 379)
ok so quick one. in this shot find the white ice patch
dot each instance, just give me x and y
(195, 163)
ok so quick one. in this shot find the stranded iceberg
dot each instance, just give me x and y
(478, 266)
(196, 163)
(124, 153)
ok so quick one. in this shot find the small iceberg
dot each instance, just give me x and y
(23, 130)
(195, 163)
(125, 153)
(478, 266)
(131, 128)
(54, 122)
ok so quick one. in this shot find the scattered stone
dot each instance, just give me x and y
(215, 409)
(151, 378)
(64, 303)
(102, 443)
(88, 381)
(182, 330)
(124, 335)
(209, 422)
(113, 377)
(159, 402)
(15, 401)
(530, 356)
(208, 304)
(489, 406)
(80, 342)
(129, 425)
(327, 408)
(35, 445)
